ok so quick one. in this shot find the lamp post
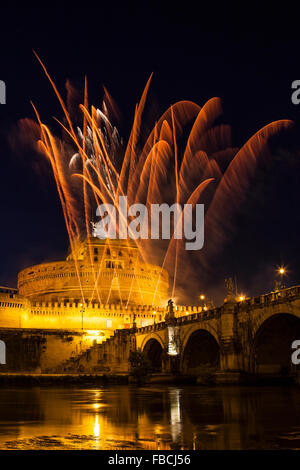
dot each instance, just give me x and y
(134, 321)
(82, 312)
(202, 299)
(282, 272)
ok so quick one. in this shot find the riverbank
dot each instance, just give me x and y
(32, 379)
(93, 379)
(62, 379)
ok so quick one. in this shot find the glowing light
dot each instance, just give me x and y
(95, 335)
(172, 351)
(96, 406)
(202, 297)
(97, 427)
(173, 341)
(281, 270)
(157, 429)
(242, 298)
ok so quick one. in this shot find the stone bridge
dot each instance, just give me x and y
(253, 336)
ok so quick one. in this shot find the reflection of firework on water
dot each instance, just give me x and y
(187, 158)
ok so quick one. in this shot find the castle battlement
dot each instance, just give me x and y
(17, 311)
(104, 271)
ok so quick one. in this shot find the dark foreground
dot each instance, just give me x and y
(150, 417)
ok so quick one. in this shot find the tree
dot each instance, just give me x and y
(139, 365)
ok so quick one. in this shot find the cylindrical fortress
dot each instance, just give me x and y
(105, 271)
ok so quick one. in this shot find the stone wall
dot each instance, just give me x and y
(41, 351)
(18, 312)
(109, 357)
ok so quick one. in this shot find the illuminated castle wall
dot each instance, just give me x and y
(103, 271)
(102, 286)
(19, 312)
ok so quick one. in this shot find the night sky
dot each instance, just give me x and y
(119, 47)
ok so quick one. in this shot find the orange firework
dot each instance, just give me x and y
(91, 166)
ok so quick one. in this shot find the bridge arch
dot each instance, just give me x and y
(259, 316)
(196, 327)
(200, 352)
(152, 336)
(153, 347)
(271, 348)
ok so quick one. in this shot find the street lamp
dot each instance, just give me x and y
(282, 272)
(202, 299)
(81, 311)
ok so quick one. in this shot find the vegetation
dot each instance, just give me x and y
(140, 366)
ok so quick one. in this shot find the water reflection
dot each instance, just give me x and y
(175, 421)
(158, 417)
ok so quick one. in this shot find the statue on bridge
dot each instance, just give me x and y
(170, 316)
(173, 348)
(277, 285)
(230, 297)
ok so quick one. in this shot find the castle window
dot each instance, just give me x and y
(95, 258)
(114, 264)
(108, 251)
(120, 253)
(95, 251)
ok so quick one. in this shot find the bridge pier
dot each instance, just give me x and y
(230, 355)
(172, 364)
(231, 363)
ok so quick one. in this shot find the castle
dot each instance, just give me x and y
(61, 309)
(103, 285)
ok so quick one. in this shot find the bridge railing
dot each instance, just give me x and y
(290, 293)
(201, 315)
(280, 296)
(153, 327)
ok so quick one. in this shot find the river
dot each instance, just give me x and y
(151, 417)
